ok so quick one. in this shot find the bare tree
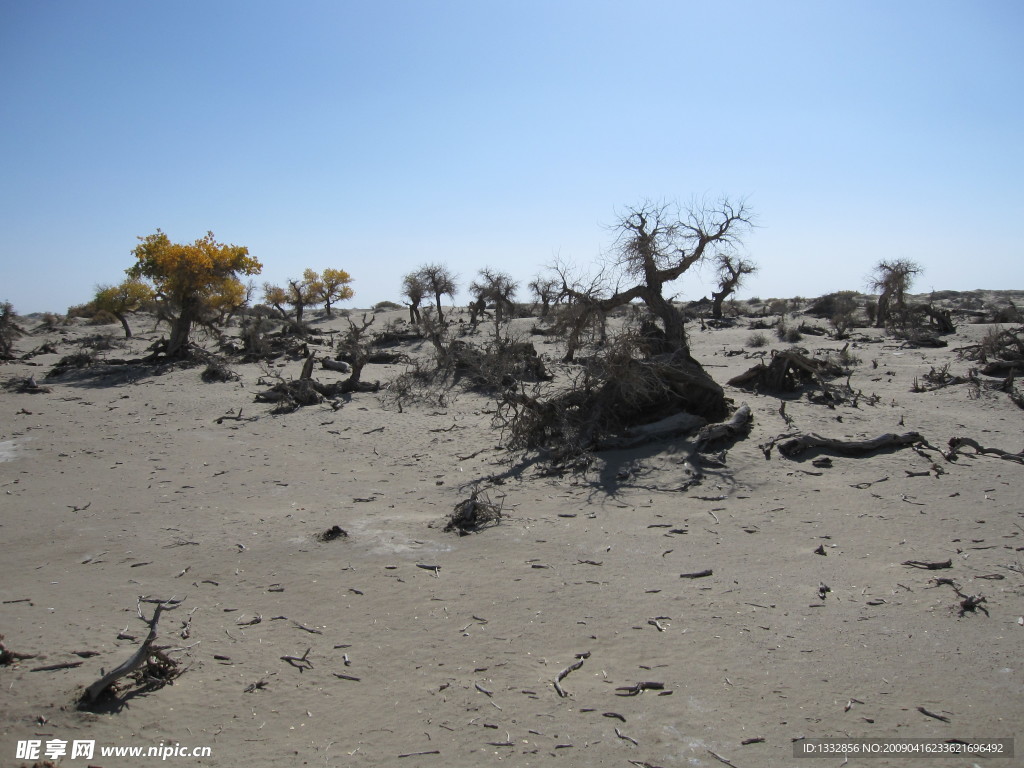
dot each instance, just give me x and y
(438, 281)
(892, 280)
(546, 291)
(731, 271)
(656, 245)
(414, 290)
(493, 287)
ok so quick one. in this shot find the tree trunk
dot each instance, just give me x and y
(124, 324)
(440, 314)
(177, 347)
(672, 318)
(716, 306)
(882, 313)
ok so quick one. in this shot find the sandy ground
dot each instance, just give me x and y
(114, 489)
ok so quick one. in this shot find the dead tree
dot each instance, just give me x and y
(414, 290)
(494, 287)
(731, 271)
(892, 280)
(546, 291)
(438, 281)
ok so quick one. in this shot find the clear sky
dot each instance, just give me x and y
(376, 136)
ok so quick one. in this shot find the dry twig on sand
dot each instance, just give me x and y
(580, 658)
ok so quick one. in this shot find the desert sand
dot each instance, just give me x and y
(412, 646)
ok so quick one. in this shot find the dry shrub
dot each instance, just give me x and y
(473, 514)
(333, 533)
(757, 340)
(217, 370)
(102, 317)
(73, 361)
(9, 330)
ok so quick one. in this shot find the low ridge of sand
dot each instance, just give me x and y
(411, 646)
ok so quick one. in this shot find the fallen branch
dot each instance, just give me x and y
(636, 690)
(791, 446)
(580, 657)
(54, 667)
(696, 574)
(929, 566)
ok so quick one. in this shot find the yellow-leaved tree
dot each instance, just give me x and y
(191, 277)
(121, 300)
(333, 285)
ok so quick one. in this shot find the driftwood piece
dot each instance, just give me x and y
(335, 365)
(929, 565)
(714, 434)
(672, 426)
(134, 662)
(957, 444)
(791, 446)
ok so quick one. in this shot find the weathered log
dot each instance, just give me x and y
(738, 426)
(672, 426)
(793, 445)
(335, 365)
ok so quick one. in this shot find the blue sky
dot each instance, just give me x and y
(378, 136)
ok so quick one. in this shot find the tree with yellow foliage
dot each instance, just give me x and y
(295, 293)
(121, 300)
(190, 278)
(332, 285)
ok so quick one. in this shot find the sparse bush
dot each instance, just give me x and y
(1007, 314)
(778, 307)
(757, 340)
(217, 370)
(102, 317)
(786, 333)
(100, 342)
(846, 358)
(473, 514)
(871, 310)
(386, 306)
(68, 362)
(9, 330)
(253, 332)
(831, 304)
